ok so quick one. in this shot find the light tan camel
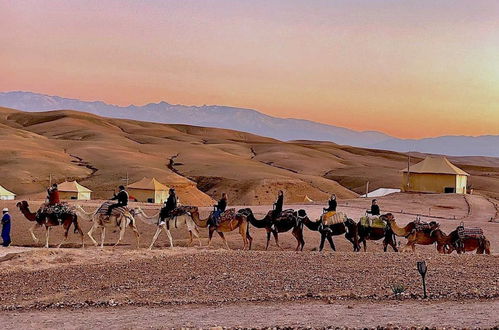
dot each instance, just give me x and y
(104, 221)
(238, 221)
(164, 225)
(413, 236)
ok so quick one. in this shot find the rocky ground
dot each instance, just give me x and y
(124, 287)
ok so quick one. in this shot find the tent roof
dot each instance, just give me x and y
(5, 192)
(148, 184)
(72, 186)
(381, 192)
(435, 165)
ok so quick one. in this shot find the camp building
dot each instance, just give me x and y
(73, 190)
(148, 190)
(6, 195)
(434, 175)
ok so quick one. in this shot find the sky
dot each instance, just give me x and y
(411, 69)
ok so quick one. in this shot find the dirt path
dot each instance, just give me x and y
(466, 314)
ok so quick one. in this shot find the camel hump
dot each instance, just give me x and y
(373, 222)
(122, 210)
(228, 215)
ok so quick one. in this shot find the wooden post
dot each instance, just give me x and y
(367, 189)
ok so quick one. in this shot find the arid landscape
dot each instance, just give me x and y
(192, 286)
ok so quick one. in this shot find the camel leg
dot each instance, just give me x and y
(385, 245)
(295, 234)
(66, 231)
(243, 231)
(137, 234)
(323, 240)
(268, 240)
(31, 231)
(90, 232)
(169, 234)
(122, 233)
(191, 238)
(195, 232)
(276, 237)
(225, 241)
(155, 237)
(210, 235)
(331, 243)
(47, 234)
(102, 236)
(80, 231)
(250, 239)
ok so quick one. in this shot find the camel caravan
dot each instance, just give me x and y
(374, 226)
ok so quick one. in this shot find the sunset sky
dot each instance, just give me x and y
(407, 68)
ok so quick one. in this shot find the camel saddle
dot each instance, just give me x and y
(471, 232)
(333, 217)
(423, 226)
(227, 215)
(57, 209)
(116, 211)
(288, 214)
(373, 222)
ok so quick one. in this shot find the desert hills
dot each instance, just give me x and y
(200, 162)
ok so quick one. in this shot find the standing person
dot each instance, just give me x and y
(332, 204)
(121, 197)
(374, 208)
(53, 195)
(278, 205)
(6, 227)
(169, 206)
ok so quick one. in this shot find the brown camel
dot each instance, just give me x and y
(468, 244)
(375, 234)
(413, 236)
(49, 221)
(286, 221)
(238, 221)
(444, 242)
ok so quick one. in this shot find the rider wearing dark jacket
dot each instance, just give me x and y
(278, 205)
(332, 204)
(169, 206)
(121, 197)
(374, 208)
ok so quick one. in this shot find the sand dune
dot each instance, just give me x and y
(200, 162)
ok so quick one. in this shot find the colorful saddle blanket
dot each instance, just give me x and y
(57, 209)
(227, 215)
(373, 222)
(471, 232)
(116, 211)
(333, 217)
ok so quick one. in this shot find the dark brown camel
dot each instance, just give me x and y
(349, 228)
(468, 244)
(49, 221)
(286, 221)
(375, 234)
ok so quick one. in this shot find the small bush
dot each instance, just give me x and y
(398, 289)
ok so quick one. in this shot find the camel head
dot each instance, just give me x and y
(136, 211)
(388, 217)
(22, 205)
(302, 215)
(245, 212)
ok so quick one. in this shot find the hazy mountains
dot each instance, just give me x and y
(255, 122)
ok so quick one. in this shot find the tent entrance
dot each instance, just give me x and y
(449, 190)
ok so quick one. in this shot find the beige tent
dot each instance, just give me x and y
(6, 195)
(434, 175)
(73, 190)
(307, 199)
(148, 190)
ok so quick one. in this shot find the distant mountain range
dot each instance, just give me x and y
(255, 122)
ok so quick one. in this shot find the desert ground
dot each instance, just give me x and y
(194, 287)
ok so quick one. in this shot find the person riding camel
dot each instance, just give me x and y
(53, 195)
(121, 197)
(277, 207)
(332, 204)
(374, 208)
(169, 205)
(219, 208)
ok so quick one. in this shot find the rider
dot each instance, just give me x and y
(220, 208)
(332, 204)
(169, 205)
(374, 208)
(121, 197)
(278, 205)
(53, 195)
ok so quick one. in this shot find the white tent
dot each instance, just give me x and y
(6, 195)
(381, 192)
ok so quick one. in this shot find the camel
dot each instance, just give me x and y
(375, 234)
(104, 221)
(444, 242)
(409, 231)
(468, 244)
(238, 221)
(183, 218)
(293, 221)
(349, 228)
(49, 221)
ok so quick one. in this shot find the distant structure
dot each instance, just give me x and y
(148, 190)
(6, 195)
(381, 192)
(434, 175)
(74, 190)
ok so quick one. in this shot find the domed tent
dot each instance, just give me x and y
(148, 190)
(434, 175)
(6, 195)
(73, 190)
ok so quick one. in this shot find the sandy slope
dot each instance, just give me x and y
(200, 162)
